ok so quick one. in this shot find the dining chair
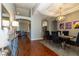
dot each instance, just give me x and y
(74, 43)
(56, 38)
(23, 35)
(47, 35)
(66, 33)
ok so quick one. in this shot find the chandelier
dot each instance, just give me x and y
(60, 17)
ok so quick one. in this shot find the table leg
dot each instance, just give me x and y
(63, 45)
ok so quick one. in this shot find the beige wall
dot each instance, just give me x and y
(70, 18)
(51, 25)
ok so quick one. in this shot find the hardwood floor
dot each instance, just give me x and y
(33, 48)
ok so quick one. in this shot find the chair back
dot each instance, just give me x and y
(59, 33)
(55, 36)
(23, 33)
(77, 40)
(47, 33)
(52, 33)
(55, 33)
(66, 33)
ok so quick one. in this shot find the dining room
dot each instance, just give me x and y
(65, 36)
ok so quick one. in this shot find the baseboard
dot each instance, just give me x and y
(37, 39)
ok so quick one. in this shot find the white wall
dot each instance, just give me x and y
(0, 15)
(36, 28)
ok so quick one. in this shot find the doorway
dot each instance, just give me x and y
(25, 26)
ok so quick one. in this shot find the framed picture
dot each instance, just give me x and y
(76, 24)
(68, 25)
(61, 26)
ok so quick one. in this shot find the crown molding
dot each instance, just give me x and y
(63, 13)
(22, 17)
(68, 11)
(71, 10)
(5, 15)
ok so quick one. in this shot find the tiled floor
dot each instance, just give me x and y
(71, 51)
(33, 48)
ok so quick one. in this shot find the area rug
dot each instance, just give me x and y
(59, 50)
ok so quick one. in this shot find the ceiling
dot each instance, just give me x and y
(24, 9)
(5, 13)
(52, 9)
(49, 9)
(25, 5)
(4, 10)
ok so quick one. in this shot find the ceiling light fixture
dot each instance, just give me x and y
(60, 17)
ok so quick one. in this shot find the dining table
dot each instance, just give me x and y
(66, 38)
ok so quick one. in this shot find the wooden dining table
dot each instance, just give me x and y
(66, 38)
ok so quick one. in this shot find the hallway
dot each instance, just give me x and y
(33, 48)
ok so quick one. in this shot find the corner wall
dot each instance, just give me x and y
(36, 28)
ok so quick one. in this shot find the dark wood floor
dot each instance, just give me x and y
(33, 48)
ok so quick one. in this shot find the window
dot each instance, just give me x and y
(5, 23)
